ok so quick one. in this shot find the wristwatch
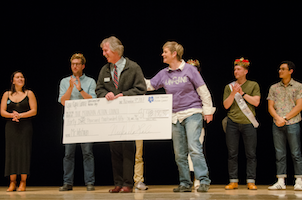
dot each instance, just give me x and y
(285, 118)
(243, 94)
(81, 90)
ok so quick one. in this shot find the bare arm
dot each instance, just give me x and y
(296, 110)
(254, 100)
(4, 113)
(279, 121)
(229, 101)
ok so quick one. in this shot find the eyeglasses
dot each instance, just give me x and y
(282, 69)
(76, 64)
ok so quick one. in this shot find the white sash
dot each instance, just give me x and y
(244, 108)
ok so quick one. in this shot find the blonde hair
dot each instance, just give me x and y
(174, 46)
(114, 44)
(78, 56)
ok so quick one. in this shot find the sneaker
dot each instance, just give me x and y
(182, 188)
(65, 187)
(298, 186)
(141, 186)
(203, 188)
(196, 184)
(277, 186)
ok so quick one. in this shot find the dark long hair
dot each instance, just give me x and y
(13, 88)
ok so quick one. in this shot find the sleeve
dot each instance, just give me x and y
(256, 90)
(205, 96)
(227, 92)
(100, 88)
(156, 81)
(270, 95)
(62, 90)
(139, 86)
(196, 79)
(92, 87)
(148, 84)
(299, 95)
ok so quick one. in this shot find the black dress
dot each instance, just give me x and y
(18, 140)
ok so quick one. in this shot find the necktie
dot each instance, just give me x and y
(115, 80)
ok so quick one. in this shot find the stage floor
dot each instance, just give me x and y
(158, 192)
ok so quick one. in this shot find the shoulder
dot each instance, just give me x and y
(66, 79)
(6, 93)
(275, 85)
(89, 78)
(104, 68)
(30, 93)
(297, 83)
(252, 82)
(131, 64)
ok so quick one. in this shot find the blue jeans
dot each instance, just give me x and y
(185, 137)
(249, 136)
(88, 163)
(291, 133)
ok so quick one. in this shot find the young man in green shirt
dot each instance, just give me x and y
(241, 122)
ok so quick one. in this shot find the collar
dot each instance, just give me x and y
(291, 82)
(81, 77)
(120, 63)
(180, 68)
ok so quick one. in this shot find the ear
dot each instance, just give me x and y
(291, 71)
(174, 54)
(83, 66)
(246, 71)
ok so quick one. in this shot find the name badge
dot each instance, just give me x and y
(106, 79)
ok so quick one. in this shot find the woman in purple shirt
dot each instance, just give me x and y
(192, 103)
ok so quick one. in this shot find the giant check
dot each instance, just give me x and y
(145, 117)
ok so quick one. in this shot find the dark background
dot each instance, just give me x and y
(39, 39)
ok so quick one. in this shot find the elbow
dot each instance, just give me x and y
(257, 103)
(225, 105)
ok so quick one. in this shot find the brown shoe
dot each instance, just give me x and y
(22, 186)
(232, 186)
(12, 186)
(251, 186)
(116, 189)
(126, 189)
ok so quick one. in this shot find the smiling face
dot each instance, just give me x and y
(18, 79)
(168, 56)
(111, 56)
(284, 71)
(240, 72)
(77, 67)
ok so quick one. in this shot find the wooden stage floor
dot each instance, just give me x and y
(158, 192)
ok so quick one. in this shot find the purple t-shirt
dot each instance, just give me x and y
(182, 84)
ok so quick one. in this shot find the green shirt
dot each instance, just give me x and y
(234, 112)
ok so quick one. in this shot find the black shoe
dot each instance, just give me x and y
(90, 187)
(182, 188)
(203, 188)
(65, 187)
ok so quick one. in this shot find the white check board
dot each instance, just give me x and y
(144, 117)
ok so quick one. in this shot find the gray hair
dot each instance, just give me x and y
(114, 44)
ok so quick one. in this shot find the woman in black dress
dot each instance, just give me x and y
(18, 106)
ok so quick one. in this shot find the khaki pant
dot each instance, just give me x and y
(139, 163)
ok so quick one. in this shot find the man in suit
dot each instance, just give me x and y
(120, 77)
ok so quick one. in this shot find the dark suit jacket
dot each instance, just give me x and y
(131, 81)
